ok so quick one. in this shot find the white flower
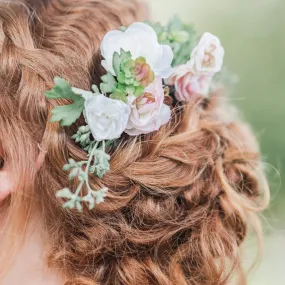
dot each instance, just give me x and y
(148, 112)
(107, 118)
(208, 56)
(141, 40)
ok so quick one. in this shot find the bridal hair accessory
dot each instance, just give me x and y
(141, 61)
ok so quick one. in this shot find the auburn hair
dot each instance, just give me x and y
(180, 201)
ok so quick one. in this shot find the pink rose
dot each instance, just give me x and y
(148, 112)
(188, 83)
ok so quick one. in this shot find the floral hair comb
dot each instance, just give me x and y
(141, 61)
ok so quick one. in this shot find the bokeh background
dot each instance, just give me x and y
(253, 34)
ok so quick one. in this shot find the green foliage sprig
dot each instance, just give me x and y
(67, 114)
(98, 160)
(97, 164)
(179, 36)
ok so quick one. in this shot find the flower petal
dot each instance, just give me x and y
(141, 40)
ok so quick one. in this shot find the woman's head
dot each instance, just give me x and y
(180, 200)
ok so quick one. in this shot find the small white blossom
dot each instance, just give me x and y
(107, 118)
(141, 40)
(208, 55)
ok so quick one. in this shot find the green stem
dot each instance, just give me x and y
(104, 146)
(90, 157)
(77, 192)
(88, 165)
(79, 188)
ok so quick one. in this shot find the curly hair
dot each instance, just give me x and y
(181, 200)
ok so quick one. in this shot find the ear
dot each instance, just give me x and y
(6, 183)
(40, 159)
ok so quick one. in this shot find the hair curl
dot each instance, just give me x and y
(181, 200)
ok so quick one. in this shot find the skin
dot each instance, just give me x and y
(29, 267)
(6, 184)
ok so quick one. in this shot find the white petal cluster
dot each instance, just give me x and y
(148, 112)
(141, 40)
(107, 118)
(193, 79)
(208, 55)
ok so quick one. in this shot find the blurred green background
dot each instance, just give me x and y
(253, 35)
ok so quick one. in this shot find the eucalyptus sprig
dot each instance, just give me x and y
(83, 137)
(97, 164)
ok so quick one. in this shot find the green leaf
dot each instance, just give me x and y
(130, 89)
(125, 55)
(64, 193)
(89, 199)
(100, 195)
(122, 87)
(74, 173)
(68, 114)
(101, 163)
(119, 95)
(84, 129)
(79, 206)
(108, 84)
(83, 93)
(67, 167)
(116, 63)
(139, 90)
(85, 138)
(130, 81)
(127, 67)
(118, 58)
(95, 89)
(121, 77)
(181, 36)
(61, 89)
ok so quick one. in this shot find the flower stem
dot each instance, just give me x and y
(79, 188)
(104, 146)
(90, 157)
(88, 166)
(77, 192)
